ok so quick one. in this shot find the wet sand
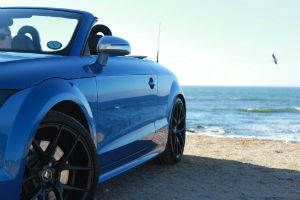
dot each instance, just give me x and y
(216, 168)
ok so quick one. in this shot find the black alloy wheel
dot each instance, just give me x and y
(62, 162)
(176, 138)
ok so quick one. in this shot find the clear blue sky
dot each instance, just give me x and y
(205, 42)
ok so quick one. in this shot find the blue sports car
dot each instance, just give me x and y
(75, 109)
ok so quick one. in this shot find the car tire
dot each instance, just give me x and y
(62, 162)
(176, 136)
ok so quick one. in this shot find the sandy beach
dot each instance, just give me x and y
(215, 168)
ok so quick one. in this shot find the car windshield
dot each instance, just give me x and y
(38, 30)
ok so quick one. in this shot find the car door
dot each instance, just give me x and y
(126, 108)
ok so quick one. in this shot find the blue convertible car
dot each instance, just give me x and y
(75, 109)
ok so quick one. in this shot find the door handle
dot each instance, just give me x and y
(152, 83)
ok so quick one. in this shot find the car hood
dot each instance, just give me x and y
(21, 70)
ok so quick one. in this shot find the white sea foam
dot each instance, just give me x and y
(213, 131)
(297, 108)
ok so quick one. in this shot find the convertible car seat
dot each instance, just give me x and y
(34, 35)
(94, 38)
(22, 41)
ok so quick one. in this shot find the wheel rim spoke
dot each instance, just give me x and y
(175, 120)
(181, 143)
(65, 156)
(32, 170)
(29, 177)
(39, 191)
(180, 148)
(71, 167)
(174, 130)
(39, 151)
(181, 119)
(180, 139)
(57, 189)
(177, 146)
(174, 140)
(51, 147)
(180, 131)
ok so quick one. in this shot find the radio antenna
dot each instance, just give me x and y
(158, 44)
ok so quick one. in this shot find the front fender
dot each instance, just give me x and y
(21, 115)
(175, 91)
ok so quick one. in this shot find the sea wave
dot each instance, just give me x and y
(207, 130)
(271, 110)
(289, 137)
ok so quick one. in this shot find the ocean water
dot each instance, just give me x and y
(244, 112)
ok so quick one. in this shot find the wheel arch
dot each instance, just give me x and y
(26, 111)
(181, 96)
(175, 91)
(72, 109)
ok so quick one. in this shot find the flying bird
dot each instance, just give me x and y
(274, 59)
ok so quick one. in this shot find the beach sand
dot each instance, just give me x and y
(215, 168)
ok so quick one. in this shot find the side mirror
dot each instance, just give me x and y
(111, 46)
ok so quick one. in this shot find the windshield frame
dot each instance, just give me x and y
(52, 13)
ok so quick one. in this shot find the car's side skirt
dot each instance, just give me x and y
(154, 149)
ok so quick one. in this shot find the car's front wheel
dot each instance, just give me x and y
(62, 162)
(176, 137)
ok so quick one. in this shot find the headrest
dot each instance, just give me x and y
(100, 28)
(22, 42)
(93, 41)
(34, 35)
(94, 38)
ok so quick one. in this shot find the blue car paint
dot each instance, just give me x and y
(127, 164)
(46, 80)
(125, 105)
(156, 147)
(10, 190)
(125, 116)
(38, 68)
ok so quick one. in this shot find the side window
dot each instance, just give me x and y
(53, 33)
